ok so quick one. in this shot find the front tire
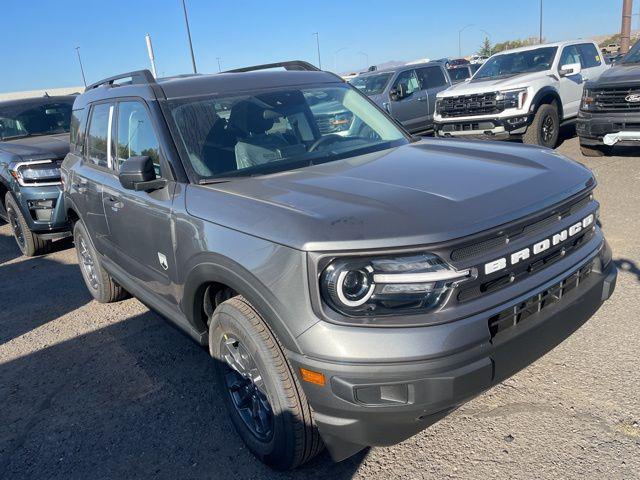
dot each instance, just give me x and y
(545, 128)
(99, 283)
(29, 243)
(265, 401)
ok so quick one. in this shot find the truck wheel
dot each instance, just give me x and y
(545, 128)
(266, 403)
(594, 151)
(29, 243)
(100, 284)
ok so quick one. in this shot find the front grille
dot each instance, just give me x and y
(469, 105)
(513, 316)
(614, 99)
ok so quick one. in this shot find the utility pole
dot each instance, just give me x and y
(317, 34)
(186, 20)
(460, 38)
(84, 80)
(219, 67)
(152, 58)
(625, 32)
(540, 40)
(335, 58)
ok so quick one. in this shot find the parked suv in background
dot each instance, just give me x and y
(610, 110)
(34, 138)
(352, 289)
(408, 92)
(523, 93)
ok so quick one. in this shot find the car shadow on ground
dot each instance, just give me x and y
(628, 265)
(135, 399)
(54, 289)
(9, 249)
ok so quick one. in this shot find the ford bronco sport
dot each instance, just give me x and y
(34, 138)
(352, 289)
(610, 110)
(522, 93)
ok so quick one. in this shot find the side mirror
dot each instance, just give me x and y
(139, 174)
(570, 69)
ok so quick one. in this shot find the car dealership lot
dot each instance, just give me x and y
(112, 391)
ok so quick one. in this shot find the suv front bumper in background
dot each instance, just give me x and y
(495, 128)
(43, 208)
(378, 404)
(604, 128)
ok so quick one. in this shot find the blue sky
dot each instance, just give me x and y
(40, 35)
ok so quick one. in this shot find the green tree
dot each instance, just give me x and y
(486, 49)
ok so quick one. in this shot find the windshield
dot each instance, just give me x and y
(634, 55)
(509, 64)
(271, 131)
(458, 74)
(371, 84)
(26, 119)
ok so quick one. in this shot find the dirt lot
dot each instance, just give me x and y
(113, 391)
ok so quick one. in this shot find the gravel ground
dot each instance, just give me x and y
(113, 391)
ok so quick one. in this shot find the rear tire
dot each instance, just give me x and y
(29, 243)
(99, 283)
(545, 128)
(594, 151)
(282, 434)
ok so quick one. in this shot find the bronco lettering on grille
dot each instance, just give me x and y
(539, 247)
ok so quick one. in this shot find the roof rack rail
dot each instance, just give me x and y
(137, 77)
(292, 65)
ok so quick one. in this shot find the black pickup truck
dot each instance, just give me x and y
(610, 109)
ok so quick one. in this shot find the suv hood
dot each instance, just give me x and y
(38, 147)
(621, 74)
(483, 86)
(427, 192)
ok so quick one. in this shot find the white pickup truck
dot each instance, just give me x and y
(524, 93)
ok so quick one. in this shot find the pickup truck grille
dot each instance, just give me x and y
(614, 99)
(470, 105)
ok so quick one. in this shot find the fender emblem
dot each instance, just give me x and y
(163, 261)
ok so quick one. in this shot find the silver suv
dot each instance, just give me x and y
(524, 93)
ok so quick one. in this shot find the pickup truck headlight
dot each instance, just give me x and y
(588, 101)
(35, 172)
(388, 285)
(513, 98)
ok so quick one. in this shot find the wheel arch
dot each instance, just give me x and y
(546, 96)
(219, 271)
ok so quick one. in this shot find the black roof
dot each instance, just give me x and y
(142, 84)
(37, 100)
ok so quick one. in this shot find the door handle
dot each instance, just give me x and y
(423, 99)
(114, 202)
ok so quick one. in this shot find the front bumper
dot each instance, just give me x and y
(609, 128)
(379, 404)
(43, 209)
(494, 128)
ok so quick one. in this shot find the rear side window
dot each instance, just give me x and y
(136, 136)
(431, 77)
(589, 55)
(408, 77)
(98, 133)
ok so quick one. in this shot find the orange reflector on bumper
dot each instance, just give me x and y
(312, 377)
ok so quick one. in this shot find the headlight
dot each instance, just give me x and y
(36, 172)
(388, 285)
(513, 98)
(588, 100)
(438, 105)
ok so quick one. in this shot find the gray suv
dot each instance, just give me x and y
(408, 92)
(352, 288)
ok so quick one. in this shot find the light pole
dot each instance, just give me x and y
(540, 22)
(460, 38)
(366, 56)
(219, 67)
(490, 41)
(186, 21)
(317, 34)
(84, 80)
(335, 58)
